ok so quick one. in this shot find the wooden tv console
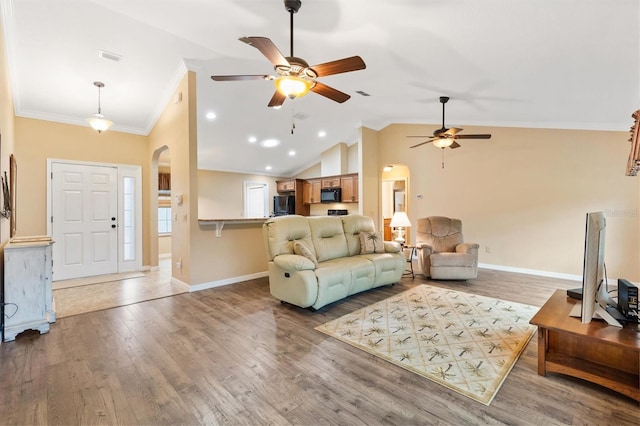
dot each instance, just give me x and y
(597, 352)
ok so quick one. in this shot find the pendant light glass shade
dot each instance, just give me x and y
(292, 86)
(98, 122)
(443, 143)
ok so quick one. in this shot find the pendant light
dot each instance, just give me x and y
(98, 122)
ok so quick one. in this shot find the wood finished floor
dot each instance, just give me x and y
(234, 355)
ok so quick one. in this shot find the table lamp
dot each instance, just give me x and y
(400, 221)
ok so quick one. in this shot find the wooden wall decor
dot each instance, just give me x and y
(633, 165)
(13, 186)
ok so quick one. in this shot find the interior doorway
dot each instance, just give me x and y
(256, 199)
(164, 205)
(394, 196)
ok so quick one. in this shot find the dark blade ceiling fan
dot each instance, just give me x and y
(447, 137)
(294, 77)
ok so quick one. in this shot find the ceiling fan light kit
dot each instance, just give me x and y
(98, 122)
(446, 137)
(295, 78)
(292, 86)
(443, 143)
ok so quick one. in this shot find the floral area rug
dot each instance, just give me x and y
(463, 341)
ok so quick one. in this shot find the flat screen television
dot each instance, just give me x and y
(595, 297)
(284, 205)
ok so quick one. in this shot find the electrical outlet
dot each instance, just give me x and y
(487, 249)
(179, 264)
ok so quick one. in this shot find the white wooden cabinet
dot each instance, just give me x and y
(28, 295)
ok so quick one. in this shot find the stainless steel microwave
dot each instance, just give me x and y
(331, 195)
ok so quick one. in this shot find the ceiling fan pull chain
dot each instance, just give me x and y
(442, 149)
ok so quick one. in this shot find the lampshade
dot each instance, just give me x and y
(98, 122)
(443, 143)
(400, 219)
(292, 86)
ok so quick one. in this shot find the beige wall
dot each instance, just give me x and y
(523, 195)
(221, 194)
(353, 159)
(164, 245)
(176, 130)
(371, 160)
(312, 172)
(39, 140)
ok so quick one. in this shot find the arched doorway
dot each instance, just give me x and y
(160, 206)
(394, 196)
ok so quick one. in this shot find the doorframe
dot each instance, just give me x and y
(123, 170)
(247, 185)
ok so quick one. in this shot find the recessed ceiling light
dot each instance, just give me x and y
(292, 153)
(269, 143)
(252, 139)
(322, 133)
(211, 115)
(268, 168)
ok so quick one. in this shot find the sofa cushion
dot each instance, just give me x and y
(371, 242)
(353, 226)
(281, 232)
(388, 267)
(291, 262)
(301, 249)
(452, 259)
(327, 235)
(443, 234)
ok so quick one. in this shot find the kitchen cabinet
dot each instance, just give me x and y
(349, 186)
(333, 182)
(286, 185)
(312, 191)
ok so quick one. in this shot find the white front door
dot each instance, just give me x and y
(84, 207)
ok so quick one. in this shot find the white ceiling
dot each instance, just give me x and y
(571, 64)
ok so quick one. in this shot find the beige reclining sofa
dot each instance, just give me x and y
(317, 260)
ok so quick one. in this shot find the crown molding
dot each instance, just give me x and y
(169, 90)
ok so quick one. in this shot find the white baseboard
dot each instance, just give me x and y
(177, 281)
(227, 281)
(558, 275)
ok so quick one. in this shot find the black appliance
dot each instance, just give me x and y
(284, 205)
(331, 195)
(337, 212)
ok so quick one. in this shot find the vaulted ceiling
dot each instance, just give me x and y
(571, 64)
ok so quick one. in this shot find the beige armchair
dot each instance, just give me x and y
(442, 254)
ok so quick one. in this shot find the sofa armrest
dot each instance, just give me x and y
(470, 248)
(293, 262)
(425, 248)
(392, 247)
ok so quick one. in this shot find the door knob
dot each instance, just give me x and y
(113, 226)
